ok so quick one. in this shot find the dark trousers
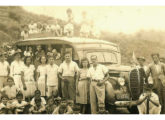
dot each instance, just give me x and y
(160, 91)
(68, 88)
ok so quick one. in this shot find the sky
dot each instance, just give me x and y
(126, 19)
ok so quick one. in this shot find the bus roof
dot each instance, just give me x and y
(73, 40)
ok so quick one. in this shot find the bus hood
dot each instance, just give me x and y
(119, 68)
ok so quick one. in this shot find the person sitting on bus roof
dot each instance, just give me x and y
(24, 33)
(69, 28)
(56, 29)
(48, 28)
(85, 26)
(39, 27)
(32, 28)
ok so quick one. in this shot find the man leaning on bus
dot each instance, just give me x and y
(97, 74)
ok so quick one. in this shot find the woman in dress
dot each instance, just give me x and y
(28, 75)
(82, 86)
(41, 76)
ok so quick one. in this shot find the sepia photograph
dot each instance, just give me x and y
(82, 60)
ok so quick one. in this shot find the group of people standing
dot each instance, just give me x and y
(79, 85)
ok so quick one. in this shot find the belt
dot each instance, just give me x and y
(95, 80)
(17, 74)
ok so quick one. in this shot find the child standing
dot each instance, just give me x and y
(29, 78)
(10, 89)
(52, 77)
(82, 84)
(4, 71)
(41, 76)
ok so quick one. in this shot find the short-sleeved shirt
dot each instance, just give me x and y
(42, 70)
(43, 102)
(24, 34)
(10, 91)
(4, 68)
(98, 73)
(16, 68)
(17, 104)
(68, 69)
(4, 106)
(52, 75)
(29, 73)
(68, 27)
(55, 27)
(152, 108)
(154, 97)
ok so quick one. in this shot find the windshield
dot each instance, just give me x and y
(104, 57)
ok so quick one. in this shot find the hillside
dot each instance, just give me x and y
(11, 19)
(143, 43)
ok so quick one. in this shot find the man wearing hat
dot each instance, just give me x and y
(148, 102)
(141, 61)
(4, 71)
(157, 71)
(142, 70)
(16, 71)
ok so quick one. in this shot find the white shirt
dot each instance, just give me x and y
(3, 68)
(98, 73)
(17, 104)
(68, 28)
(25, 35)
(152, 108)
(29, 73)
(16, 68)
(55, 27)
(68, 69)
(85, 28)
(28, 53)
(43, 102)
(10, 91)
(52, 77)
(4, 106)
(42, 70)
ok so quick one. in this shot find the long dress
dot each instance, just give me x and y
(83, 88)
(29, 81)
(41, 80)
